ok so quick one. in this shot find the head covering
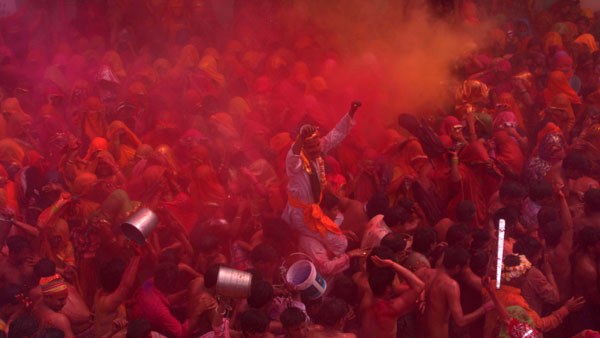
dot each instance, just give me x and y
(97, 144)
(208, 64)
(557, 84)
(52, 285)
(588, 40)
(509, 100)
(468, 12)
(504, 119)
(448, 123)
(113, 59)
(84, 183)
(552, 39)
(238, 108)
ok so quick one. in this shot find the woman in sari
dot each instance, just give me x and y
(122, 142)
(560, 112)
(108, 173)
(559, 84)
(551, 150)
(509, 144)
(56, 244)
(206, 191)
(92, 119)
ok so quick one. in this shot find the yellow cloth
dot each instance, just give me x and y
(314, 218)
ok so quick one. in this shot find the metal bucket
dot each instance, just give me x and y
(140, 225)
(233, 283)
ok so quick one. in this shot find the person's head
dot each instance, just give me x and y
(576, 165)
(333, 313)
(381, 281)
(382, 252)
(512, 193)
(531, 248)
(139, 328)
(465, 212)
(211, 275)
(265, 258)
(312, 146)
(545, 215)
(591, 201)
(111, 273)
(481, 239)
(261, 294)
(23, 327)
(511, 219)
(54, 291)
(479, 262)
(459, 234)
(165, 277)
(424, 240)
(344, 288)
(395, 242)
(513, 270)
(541, 192)
(44, 268)
(396, 216)
(50, 332)
(551, 232)
(209, 245)
(18, 249)
(378, 204)
(455, 259)
(254, 323)
(293, 321)
(589, 240)
(330, 205)
(9, 299)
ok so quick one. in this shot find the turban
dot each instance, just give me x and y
(52, 285)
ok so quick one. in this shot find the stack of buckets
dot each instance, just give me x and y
(307, 279)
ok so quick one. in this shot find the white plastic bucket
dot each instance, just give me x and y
(307, 279)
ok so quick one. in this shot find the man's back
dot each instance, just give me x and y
(437, 312)
(378, 317)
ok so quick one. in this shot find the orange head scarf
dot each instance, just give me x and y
(113, 59)
(238, 108)
(208, 64)
(557, 84)
(552, 39)
(588, 40)
(11, 152)
(509, 100)
(93, 119)
(98, 144)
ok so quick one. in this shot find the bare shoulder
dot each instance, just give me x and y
(585, 267)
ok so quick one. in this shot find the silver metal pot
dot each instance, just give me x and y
(233, 283)
(140, 225)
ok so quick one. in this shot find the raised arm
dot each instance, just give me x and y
(566, 239)
(127, 280)
(341, 130)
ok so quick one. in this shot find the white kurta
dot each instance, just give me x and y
(299, 187)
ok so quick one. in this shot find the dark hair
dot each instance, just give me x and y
(344, 288)
(50, 332)
(528, 246)
(208, 243)
(546, 215)
(254, 321)
(380, 279)
(263, 253)
(457, 233)
(423, 239)
(480, 237)
(509, 215)
(539, 190)
(465, 211)
(479, 261)
(588, 236)
(211, 275)
(455, 256)
(261, 293)
(166, 276)
(138, 328)
(591, 200)
(17, 244)
(22, 327)
(292, 317)
(551, 232)
(331, 311)
(395, 216)
(378, 204)
(44, 268)
(512, 260)
(512, 189)
(576, 161)
(382, 252)
(111, 273)
(394, 241)
(329, 201)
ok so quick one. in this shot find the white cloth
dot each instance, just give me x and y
(376, 230)
(299, 187)
(325, 264)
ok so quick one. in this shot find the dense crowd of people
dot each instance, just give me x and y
(237, 125)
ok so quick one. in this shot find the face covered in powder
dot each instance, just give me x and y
(312, 146)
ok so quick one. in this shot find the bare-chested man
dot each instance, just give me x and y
(591, 204)
(442, 295)
(47, 312)
(332, 318)
(379, 308)
(17, 268)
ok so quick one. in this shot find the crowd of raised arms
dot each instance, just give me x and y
(236, 124)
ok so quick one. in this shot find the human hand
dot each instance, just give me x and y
(488, 306)
(307, 130)
(558, 186)
(351, 235)
(356, 253)
(486, 282)
(382, 263)
(574, 304)
(354, 106)
(119, 324)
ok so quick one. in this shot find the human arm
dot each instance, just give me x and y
(565, 246)
(325, 265)
(553, 320)
(127, 280)
(452, 293)
(29, 229)
(51, 214)
(502, 311)
(545, 284)
(61, 322)
(341, 130)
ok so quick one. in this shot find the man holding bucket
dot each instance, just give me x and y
(305, 168)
